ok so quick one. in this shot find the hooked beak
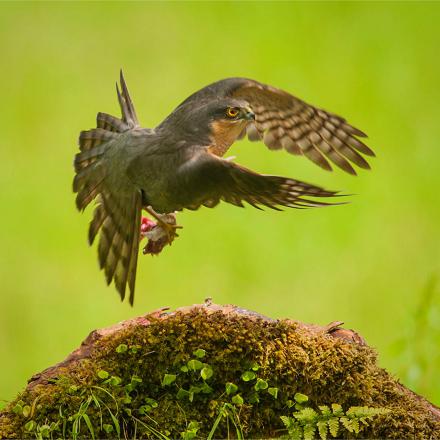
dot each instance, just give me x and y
(249, 114)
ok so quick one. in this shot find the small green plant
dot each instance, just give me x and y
(273, 391)
(260, 385)
(306, 422)
(247, 376)
(103, 374)
(237, 400)
(194, 365)
(191, 431)
(200, 353)
(121, 348)
(168, 379)
(231, 388)
(206, 373)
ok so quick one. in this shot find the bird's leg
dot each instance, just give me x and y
(159, 233)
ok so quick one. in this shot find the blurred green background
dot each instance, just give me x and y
(372, 264)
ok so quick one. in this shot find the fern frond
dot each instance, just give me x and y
(296, 432)
(365, 412)
(346, 423)
(306, 416)
(337, 410)
(306, 421)
(287, 421)
(309, 431)
(322, 429)
(333, 426)
(355, 425)
(325, 410)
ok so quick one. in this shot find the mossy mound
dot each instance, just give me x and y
(169, 376)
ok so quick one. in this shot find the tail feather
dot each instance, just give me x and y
(114, 210)
(87, 175)
(99, 217)
(134, 252)
(91, 138)
(87, 193)
(86, 158)
(110, 123)
(126, 104)
(90, 176)
(109, 248)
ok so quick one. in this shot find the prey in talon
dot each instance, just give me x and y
(158, 233)
(127, 169)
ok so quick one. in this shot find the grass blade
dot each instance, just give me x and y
(89, 425)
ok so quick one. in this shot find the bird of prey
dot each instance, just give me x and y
(179, 164)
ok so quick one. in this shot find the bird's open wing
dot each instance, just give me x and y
(283, 121)
(212, 179)
(118, 218)
(117, 215)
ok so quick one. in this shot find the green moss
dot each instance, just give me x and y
(133, 395)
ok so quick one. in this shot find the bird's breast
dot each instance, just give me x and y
(224, 134)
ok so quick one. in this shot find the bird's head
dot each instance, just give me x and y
(227, 122)
(214, 123)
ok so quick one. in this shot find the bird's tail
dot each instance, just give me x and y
(94, 143)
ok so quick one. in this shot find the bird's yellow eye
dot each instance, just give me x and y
(232, 112)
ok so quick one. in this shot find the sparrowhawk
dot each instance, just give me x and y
(180, 165)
